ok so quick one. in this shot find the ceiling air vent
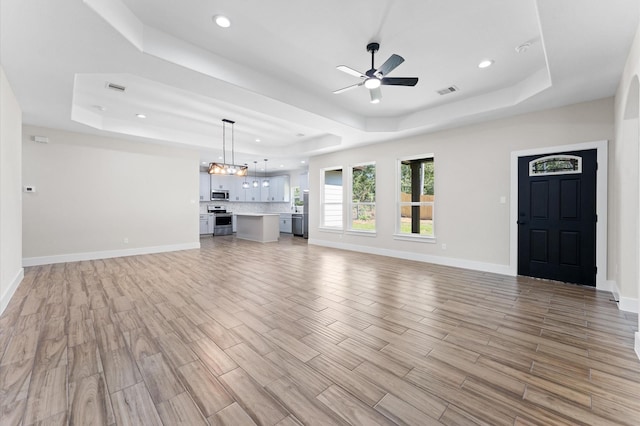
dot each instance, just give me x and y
(448, 90)
(116, 87)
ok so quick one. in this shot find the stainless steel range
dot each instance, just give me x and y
(222, 220)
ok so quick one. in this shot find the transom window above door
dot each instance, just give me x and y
(555, 165)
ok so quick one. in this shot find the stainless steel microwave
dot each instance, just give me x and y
(219, 195)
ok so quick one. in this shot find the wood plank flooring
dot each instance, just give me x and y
(242, 333)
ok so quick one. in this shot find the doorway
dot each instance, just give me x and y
(557, 216)
(601, 148)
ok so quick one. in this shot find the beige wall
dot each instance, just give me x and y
(11, 271)
(93, 192)
(624, 246)
(472, 166)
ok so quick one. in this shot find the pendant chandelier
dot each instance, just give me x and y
(224, 168)
(265, 181)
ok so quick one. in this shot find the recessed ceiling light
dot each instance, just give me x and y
(486, 63)
(302, 161)
(100, 108)
(141, 116)
(204, 162)
(523, 47)
(222, 21)
(257, 140)
(220, 158)
(281, 165)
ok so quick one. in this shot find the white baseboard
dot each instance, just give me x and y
(76, 257)
(8, 294)
(438, 260)
(627, 304)
(612, 287)
(638, 344)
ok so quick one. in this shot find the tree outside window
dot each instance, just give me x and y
(417, 197)
(363, 197)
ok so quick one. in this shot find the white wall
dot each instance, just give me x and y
(626, 243)
(472, 166)
(11, 272)
(93, 192)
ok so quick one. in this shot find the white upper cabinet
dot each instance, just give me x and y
(237, 192)
(205, 186)
(278, 190)
(304, 181)
(222, 182)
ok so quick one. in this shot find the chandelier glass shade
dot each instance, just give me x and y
(225, 168)
(255, 175)
(265, 181)
(245, 183)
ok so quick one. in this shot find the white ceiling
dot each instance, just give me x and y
(273, 71)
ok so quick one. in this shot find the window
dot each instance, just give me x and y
(363, 197)
(332, 198)
(416, 203)
(555, 165)
(297, 196)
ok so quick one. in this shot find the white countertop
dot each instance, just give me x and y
(257, 214)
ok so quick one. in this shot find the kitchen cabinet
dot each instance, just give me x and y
(285, 223)
(223, 181)
(236, 191)
(253, 194)
(304, 181)
(279, 190)
(207, 221)
(264, 193)
(205, 186)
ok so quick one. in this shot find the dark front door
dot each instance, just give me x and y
(557, 216)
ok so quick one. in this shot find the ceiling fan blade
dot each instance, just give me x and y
(376, 95)
(391, 63)
(344, 89)
(400, 81)
(350, 71)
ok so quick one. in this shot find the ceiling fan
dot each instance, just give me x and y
(373, 78)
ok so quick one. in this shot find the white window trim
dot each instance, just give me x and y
(397, 235)
(361, 233)
(415, 238)
(322, 226)
(350, 205)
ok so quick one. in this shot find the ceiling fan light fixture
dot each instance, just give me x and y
(374, 78)
(372, 83)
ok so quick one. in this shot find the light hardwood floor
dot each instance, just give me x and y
(241, 333)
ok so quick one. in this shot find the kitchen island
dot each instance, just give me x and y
(260, 227)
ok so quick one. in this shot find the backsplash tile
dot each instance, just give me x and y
(236, 207)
